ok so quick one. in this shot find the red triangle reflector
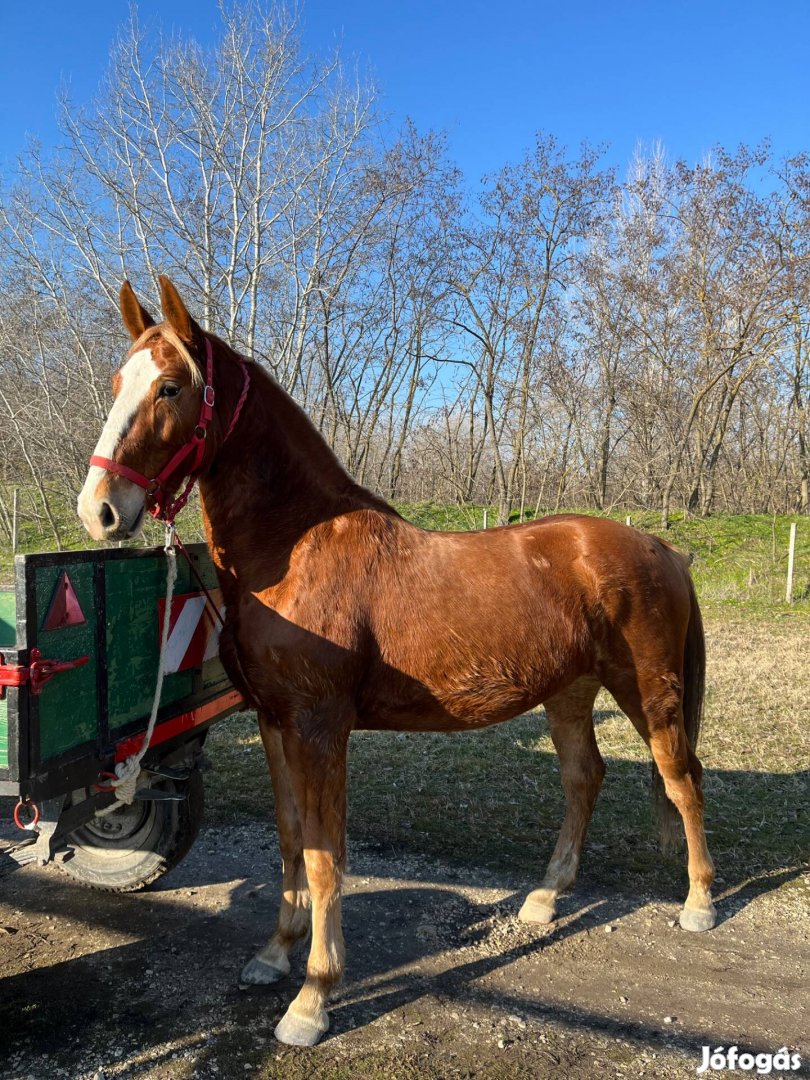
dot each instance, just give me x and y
(65, 609)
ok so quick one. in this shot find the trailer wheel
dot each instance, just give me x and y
(136, 844)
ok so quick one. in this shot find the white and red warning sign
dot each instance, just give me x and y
(193, 630)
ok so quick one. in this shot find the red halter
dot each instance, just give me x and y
(164, 507)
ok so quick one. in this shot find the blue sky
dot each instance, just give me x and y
(688, 73)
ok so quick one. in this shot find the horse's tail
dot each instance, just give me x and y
(694, 685)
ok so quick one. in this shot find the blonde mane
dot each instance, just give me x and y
(164, 331)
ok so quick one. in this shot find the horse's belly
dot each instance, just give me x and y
(437, 674)
(399, 703)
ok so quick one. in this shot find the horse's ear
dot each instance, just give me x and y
(136, 319)
(175, 312)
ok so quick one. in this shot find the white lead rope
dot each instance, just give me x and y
(128, 771)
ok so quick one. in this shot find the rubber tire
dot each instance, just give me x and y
(168, 831)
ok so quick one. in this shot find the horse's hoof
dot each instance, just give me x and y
(698, 919)
(537, 912)
(294, 1029)
(258, 972)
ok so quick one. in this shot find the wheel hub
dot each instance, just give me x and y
(121, 824)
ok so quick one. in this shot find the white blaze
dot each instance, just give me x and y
(137, 376)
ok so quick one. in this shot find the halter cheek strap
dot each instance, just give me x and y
(164, 508)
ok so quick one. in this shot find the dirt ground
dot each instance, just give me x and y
(442, 980)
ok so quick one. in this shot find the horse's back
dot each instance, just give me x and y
(575, 563)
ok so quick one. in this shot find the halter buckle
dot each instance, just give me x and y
(208, 396)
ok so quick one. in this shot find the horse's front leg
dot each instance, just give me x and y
(317, 765)
(272, 962)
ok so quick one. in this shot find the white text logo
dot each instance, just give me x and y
(720, 1059)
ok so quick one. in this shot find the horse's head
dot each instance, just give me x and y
(158, 399)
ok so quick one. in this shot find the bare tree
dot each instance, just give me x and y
(520, 256)
(551, 339)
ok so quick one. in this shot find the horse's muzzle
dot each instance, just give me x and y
(111, 511)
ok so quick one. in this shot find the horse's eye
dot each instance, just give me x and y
(169, 390)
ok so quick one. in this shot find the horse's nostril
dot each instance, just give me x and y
(108, 516)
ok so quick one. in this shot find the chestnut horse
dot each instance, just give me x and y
(342, 616)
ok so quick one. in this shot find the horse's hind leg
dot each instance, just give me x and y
(653, 703)
(570, 718)
(272, 962)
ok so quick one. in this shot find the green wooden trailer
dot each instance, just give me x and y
(79, 648)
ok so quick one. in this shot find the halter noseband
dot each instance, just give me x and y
(164, 507)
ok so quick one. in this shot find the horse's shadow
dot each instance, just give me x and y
(180, 980)
(757, 822)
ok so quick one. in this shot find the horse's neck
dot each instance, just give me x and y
(274, 479)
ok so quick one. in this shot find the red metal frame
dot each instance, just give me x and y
(176, 725)
(12, 675)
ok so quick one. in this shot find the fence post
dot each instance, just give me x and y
(486, 518)
(14, 522)
(791, 559)
(628, 520)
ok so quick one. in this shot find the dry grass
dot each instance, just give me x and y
(493, 798)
